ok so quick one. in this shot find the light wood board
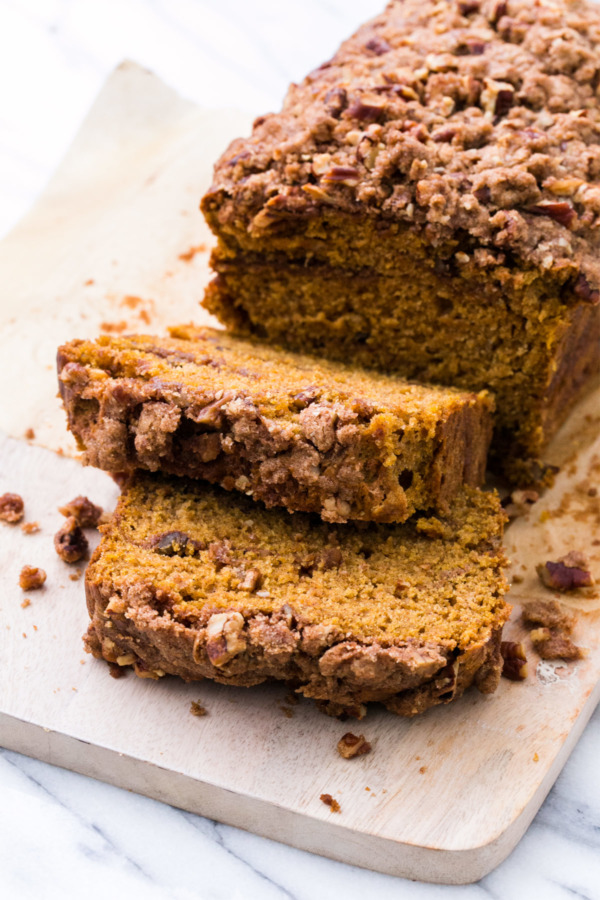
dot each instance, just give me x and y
(451, 792)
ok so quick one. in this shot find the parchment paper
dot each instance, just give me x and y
(116, 241)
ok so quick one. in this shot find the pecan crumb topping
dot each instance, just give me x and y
(70, 542)
(11, 508)
(31, 578)
(30, 527)
(86, 513)
(351, 745)
(552, 643)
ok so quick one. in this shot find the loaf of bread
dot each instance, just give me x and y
(427, 202)
(194, 581)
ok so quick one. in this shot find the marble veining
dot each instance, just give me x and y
(63, 835)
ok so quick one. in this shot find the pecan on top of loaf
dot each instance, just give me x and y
(472, 118)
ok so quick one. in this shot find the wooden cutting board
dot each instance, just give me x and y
(443, 797)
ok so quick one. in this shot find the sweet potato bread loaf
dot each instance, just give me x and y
(197, 582)
(428, 202)
(285, 429)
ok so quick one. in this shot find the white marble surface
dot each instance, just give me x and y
(63, 835)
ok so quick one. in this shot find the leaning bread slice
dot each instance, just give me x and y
(286, 429)
(193, 581)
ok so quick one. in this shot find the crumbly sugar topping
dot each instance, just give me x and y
(476, 120)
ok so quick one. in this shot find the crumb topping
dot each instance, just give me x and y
(476, 122)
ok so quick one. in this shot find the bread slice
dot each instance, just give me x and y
(193, 581)
(286, 429)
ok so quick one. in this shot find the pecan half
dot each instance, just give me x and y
(514, 666)
(351, 745)
(566, 574)
(70, 542)
(31, 578)
(86, 513)
(11, 508)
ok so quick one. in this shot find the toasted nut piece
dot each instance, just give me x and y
(566, 574)
(70, 542)
(351, 745)
(175, 543)
(11, 508)
(225, 637)
(31, 578)
(251, 580)
(86, 513)
(515, 661)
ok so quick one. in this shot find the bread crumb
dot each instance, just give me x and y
(113, 327)
(329, 801)
(536, 757)
(422, 770)
(26, 602)
(30, 434)
(351, 745)
(30, 527)
(197, 709)
(85, 513)
(189, 254)
(75, 576)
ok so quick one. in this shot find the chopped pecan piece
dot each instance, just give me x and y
(11, 508)
(251, 580)
(86, 513)
(331, 558)
(585, 292)
(70, 542)
(566, 574)
(515, 661)
(329, 801)
(176, 543)
(351, 745)
(225, 637)
(562, 212)
(378, 46)
(342, 175)
(220, 553)
(366, 109)
(552, 643)
(335, 101)
(31, 578)
(466, 7)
